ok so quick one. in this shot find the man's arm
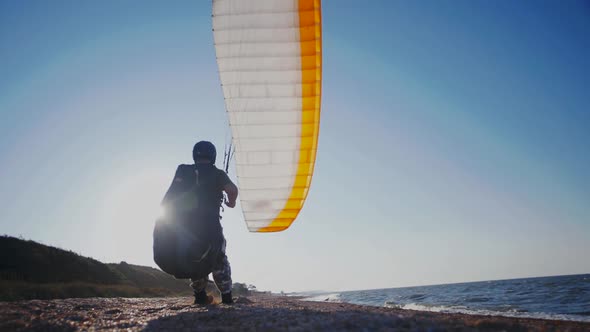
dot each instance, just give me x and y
(232, 194)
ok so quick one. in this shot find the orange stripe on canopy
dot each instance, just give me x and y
(310, 29)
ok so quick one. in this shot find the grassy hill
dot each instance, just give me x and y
(148, 277)
(30, 270)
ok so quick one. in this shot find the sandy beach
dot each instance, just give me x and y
(256, 313)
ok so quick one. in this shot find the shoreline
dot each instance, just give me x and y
(469, 312)
(259, 312)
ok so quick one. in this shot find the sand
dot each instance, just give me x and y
(256, 313)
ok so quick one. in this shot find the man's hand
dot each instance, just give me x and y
(230, 204)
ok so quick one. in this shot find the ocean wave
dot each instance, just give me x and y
(504, 313)
(477, 299)
(417, 296)
(331, 297)
(557, 298)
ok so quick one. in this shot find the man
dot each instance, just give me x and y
(208, 183)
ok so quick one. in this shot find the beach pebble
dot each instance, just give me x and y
(264, 312)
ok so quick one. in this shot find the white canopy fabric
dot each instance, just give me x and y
(269, 54)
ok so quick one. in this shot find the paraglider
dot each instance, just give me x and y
(188, 240)
(269, 59)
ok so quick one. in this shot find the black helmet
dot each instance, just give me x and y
(204, 150)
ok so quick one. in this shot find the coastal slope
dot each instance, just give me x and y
(31, 270)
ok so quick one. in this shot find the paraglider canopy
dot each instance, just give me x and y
(269, 59)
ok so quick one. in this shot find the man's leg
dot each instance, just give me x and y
(222, 277)
(199, 286)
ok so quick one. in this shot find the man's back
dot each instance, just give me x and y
(206, 181)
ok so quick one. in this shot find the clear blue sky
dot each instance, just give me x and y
(454, 142)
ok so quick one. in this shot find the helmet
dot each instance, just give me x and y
(204, 149)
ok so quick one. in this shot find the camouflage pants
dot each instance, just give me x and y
(221, 276)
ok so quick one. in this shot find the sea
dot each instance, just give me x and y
(557, 297)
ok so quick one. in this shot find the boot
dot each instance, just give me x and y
(200, 297)
(226, 298)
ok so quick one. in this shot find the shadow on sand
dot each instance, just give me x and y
(253, 318)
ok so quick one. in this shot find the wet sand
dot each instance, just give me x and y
(256, 313)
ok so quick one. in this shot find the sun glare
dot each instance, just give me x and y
(130, 210)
